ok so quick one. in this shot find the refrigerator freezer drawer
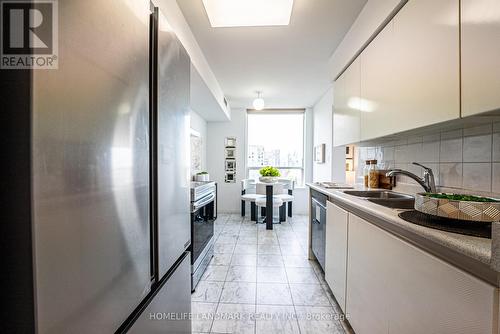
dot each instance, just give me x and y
(169, 310)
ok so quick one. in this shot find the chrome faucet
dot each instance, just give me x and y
(427, 182)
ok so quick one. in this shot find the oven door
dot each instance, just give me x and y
(202, 224)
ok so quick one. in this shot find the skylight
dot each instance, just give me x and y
(248, 13)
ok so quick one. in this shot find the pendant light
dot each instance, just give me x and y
(258, 103)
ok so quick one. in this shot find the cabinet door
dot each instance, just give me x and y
(431, 296)
(347, 104)
(336, 251)
(377, 86)
(366, 294)
(480, 56)
(394, 287)
(410, 72)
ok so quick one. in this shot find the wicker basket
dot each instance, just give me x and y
(486, 212)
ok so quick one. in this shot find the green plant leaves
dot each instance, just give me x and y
(269, 171)
(457, 197)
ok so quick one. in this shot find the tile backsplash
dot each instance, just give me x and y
(466, 160)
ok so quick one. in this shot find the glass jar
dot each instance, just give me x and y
(373, 175)
(366, 172)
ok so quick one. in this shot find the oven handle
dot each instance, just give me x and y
(319, 203)
(204, 201)
(322, 208)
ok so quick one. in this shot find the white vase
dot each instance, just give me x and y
(202, 177)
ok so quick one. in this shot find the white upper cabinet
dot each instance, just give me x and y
(480, 56)
(378, 81)
(346, 115)
(410, 72)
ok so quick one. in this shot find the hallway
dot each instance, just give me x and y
(260, 281)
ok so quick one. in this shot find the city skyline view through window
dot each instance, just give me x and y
(276, 139)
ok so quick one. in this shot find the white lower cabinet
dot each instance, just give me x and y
(394, 287)
(336, 251)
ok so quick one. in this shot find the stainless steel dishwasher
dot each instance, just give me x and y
(318, 224)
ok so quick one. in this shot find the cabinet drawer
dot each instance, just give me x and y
(173, 300)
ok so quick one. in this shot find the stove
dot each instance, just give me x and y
(333, 185)
(203, 215)
(200, 189)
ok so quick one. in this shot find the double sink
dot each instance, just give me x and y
(385, 198)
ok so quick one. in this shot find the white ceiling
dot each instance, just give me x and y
(289, 64)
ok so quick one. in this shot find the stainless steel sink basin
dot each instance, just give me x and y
(383, 194)
(394, 203)
(385, 198)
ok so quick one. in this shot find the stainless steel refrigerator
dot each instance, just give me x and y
(108, 197)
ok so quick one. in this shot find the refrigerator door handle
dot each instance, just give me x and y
(153, 142)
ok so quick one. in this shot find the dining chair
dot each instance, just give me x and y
(277, 211)
(277, 190)
(248, 194)
(287, 197)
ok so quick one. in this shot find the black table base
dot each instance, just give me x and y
(269, 207)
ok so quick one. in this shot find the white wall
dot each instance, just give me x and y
(322, 134)
(199, 124)
(308, 145)
(338, 164)
(301, 201)
(373, 14)
(229, 193)
(334, 167)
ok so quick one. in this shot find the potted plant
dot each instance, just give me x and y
(269, 174)
(202, 176)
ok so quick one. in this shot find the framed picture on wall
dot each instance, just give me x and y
(230, 177)
(319, 153)
(349, 152)
(349, 165)
(196, 152)
(230, 153)
(230, 165)
(230, 142)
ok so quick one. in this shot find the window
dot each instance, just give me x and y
(276, 139)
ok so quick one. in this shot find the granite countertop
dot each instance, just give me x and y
(471, 248)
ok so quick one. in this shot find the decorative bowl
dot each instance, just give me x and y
(268, 179)
(486, 212)
(202, 177)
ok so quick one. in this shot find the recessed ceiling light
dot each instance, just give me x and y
(248, 13)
